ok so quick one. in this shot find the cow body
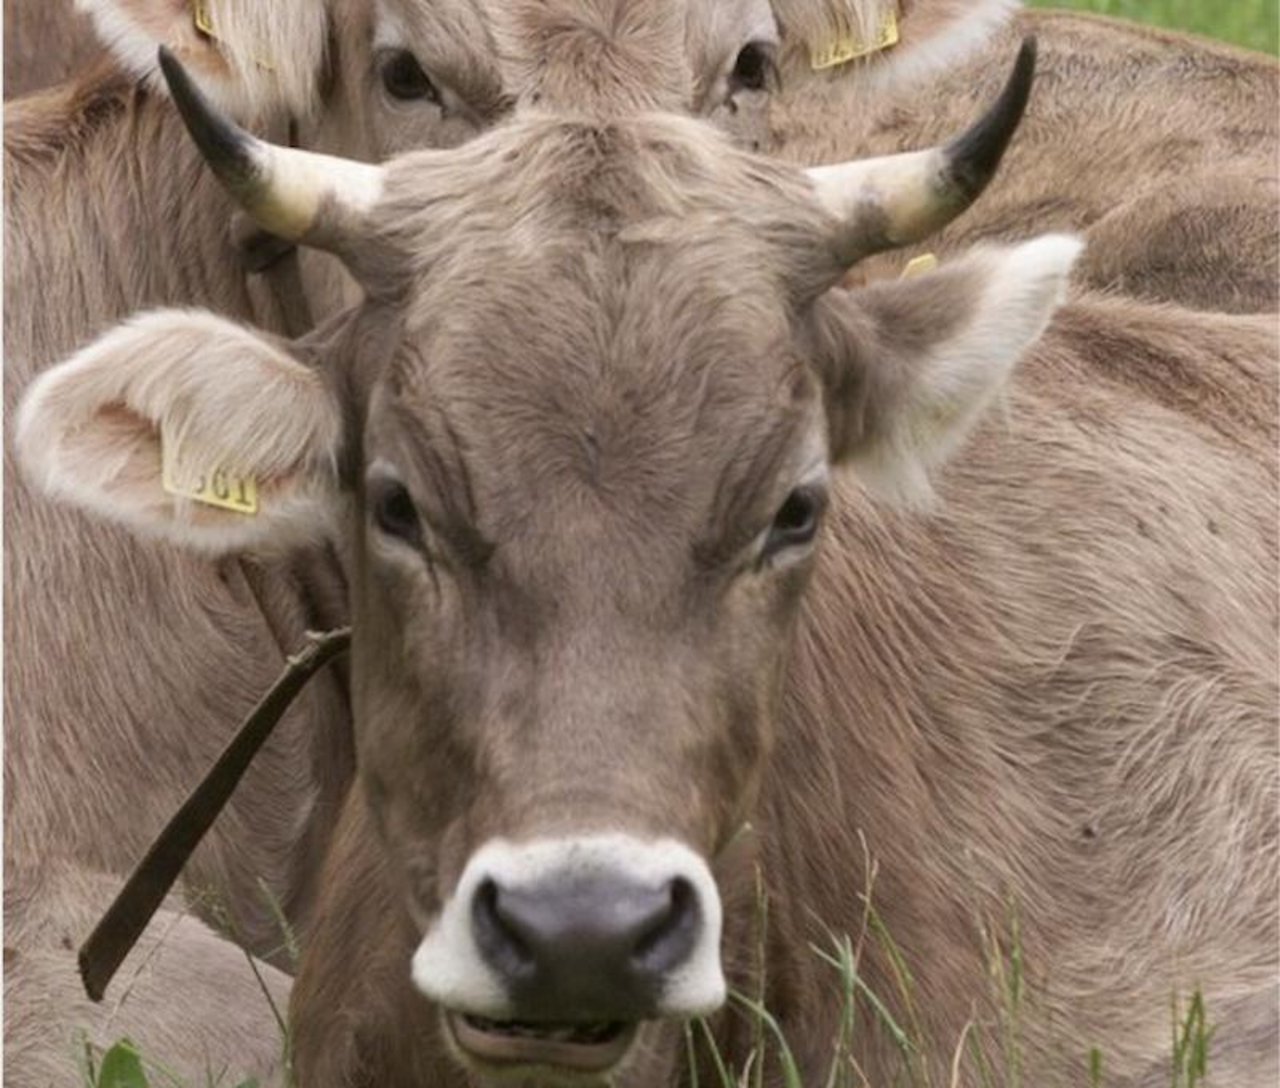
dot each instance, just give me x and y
(1049, 704)
(1159, 146)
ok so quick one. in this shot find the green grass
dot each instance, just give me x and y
(988, 1052)
(1254, 24)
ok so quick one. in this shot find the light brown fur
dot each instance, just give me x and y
(1053, 694)
(1159, 146)
(57, 332)
(1055, 689)
(1162, 146)
(45, 43)
(107, 211)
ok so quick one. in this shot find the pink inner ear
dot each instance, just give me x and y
(119, 451)
(122, 451)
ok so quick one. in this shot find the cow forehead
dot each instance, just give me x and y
(610, 255)
(585, 321)
(535, 196)
(559, 401)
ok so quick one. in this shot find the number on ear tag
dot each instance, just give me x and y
(211, 486)
(847, 46)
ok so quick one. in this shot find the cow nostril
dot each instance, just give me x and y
(497, 935)
(669, 940)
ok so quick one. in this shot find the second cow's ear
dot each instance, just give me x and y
(910, 365)
(259, 59)
(185, 426)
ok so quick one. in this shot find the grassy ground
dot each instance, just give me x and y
(1254, 24)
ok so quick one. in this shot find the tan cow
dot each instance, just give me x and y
(120, 205)
(45, 42)
(128, 667)
(1161, 147)
(580, 442)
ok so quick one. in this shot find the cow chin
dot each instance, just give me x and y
(550, 954)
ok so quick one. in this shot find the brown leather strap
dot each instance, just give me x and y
(119, 929)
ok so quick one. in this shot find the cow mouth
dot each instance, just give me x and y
(579, 1047)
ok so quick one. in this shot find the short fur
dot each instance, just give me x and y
(141, 655)
(127, 205)
(1159, 146)
(45, 43)
(1151, 183)
(597, 371)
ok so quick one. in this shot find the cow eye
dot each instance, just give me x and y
(755, 68)
(393, 511)
(796, 522)
(404, 78)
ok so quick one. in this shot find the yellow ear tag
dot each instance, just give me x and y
(203, 20)
(918, 266)
(213, 487)
(847, 46)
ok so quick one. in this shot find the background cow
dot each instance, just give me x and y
(45, 43)
(1157, 143)
(577, 444)
(1159, 146)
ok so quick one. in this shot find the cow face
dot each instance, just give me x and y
(372, 78)
(576, 443)
(590, 497)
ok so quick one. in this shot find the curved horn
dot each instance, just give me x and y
(296, 195)
(899, 199)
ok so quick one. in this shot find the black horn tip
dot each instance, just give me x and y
(226, 147)
(972, 158)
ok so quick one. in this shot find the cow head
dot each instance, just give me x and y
(576, 442)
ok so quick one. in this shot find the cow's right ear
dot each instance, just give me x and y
(258, 59)
(185, 426)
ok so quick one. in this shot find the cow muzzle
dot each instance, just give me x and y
(550, 953)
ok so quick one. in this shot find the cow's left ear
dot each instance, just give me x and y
(185, 426)
(258, 59)
(909, 365)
